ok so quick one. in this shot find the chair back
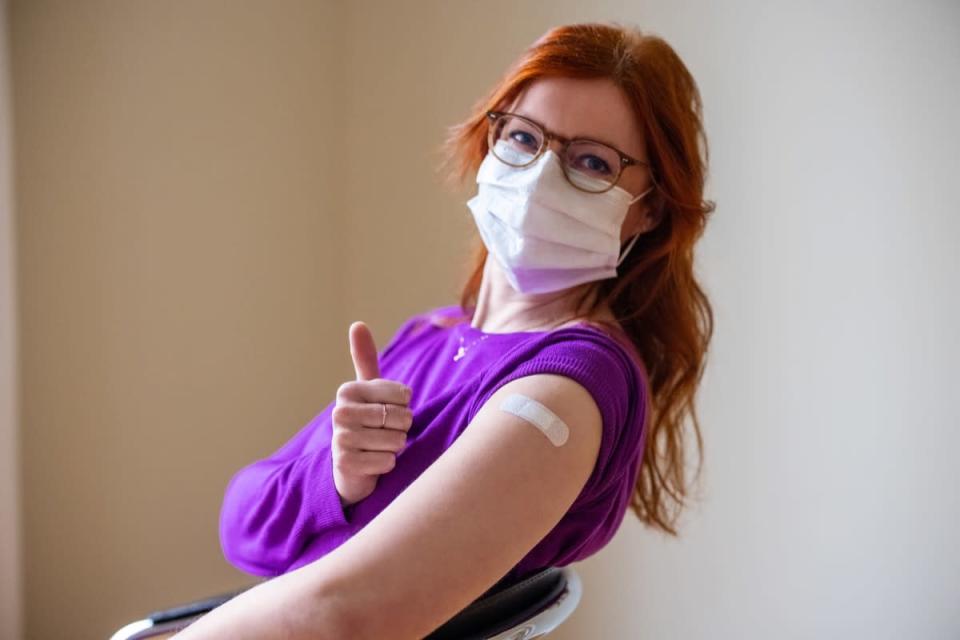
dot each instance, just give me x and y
(510, 611)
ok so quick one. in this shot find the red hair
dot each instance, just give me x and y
(656, 298)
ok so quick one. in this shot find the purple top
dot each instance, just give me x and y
(283, 512)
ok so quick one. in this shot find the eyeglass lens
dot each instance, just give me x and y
(590, 166)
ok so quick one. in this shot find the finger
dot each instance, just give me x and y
(370, 415)
(373, 463)
(372, 439)
(363, 351)
(379, 390)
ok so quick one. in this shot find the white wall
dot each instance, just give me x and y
(831, 502)
(833, 497)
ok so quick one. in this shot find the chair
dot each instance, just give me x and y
(523, 610)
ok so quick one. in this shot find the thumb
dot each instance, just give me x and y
(363, 350)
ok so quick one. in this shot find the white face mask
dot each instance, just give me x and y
(546, 234)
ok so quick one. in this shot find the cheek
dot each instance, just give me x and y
(633, 180)
(628, 228)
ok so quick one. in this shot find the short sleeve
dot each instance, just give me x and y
(607, 371)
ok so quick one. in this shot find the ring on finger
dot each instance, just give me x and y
(384, 415)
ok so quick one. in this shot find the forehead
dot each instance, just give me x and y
(582, 108)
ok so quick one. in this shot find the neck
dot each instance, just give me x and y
(502, 309)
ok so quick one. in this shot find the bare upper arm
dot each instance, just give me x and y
(466, 520)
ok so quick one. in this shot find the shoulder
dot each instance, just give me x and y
(549, 423)
(588, 371)
(556, 412)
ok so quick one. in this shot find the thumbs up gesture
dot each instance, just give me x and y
(371, 418)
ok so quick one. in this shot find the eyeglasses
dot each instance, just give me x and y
(588, 165)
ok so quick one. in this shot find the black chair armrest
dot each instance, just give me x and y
(198, 607)
(174, 619)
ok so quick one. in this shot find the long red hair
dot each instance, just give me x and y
(656, 298)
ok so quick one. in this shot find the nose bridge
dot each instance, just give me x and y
(556, 143)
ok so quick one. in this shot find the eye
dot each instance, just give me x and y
(593, 165)
(525, 139)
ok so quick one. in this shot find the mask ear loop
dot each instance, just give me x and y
(636, 235)
(627, 250)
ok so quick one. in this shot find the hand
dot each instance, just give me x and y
(362, 449)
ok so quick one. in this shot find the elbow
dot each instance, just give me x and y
(250, 537)
(238, 552)
(272, 512)
(242, 549)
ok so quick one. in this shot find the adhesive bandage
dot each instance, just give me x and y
(538, 415)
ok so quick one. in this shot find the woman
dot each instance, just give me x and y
(431, 478)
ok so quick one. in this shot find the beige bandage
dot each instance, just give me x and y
(538, 415)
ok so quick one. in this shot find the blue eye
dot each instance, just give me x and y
(594, 165)
(525, 139)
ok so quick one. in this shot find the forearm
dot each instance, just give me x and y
(288, 607)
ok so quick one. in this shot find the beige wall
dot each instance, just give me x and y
(182, 248)
(10, 587)
(208, 193)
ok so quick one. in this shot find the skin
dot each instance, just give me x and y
(441, 543)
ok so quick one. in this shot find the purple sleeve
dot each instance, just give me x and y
(617, 383)
(273, 507)
(608, 373)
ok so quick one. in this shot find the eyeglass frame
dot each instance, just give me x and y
(625, 160)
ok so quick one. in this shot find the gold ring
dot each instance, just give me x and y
(384, 415)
